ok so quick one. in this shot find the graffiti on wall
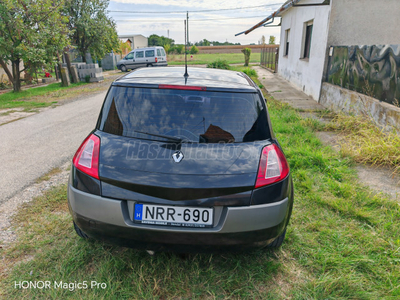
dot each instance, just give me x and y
(370, 70)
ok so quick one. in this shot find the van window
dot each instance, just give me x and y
(159, 52)
(163, 52)
(139, 54)
(149, 53)
(129, 56)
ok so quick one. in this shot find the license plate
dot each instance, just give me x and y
(173, 215)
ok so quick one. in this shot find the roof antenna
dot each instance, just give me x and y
(186, 22)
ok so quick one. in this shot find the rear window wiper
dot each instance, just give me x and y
(168, 137)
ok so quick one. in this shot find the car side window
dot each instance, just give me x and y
(129, 56)
(149, 53)
(158, 52)
(139, 54)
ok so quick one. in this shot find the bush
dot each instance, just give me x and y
(167, 47)
(194, 50)
(246, 52)
(250, 72)
(179, 49)
(171, 50)
(219, 64)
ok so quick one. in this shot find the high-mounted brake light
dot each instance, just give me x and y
(273, 166)
(182, 87)
(86, 159)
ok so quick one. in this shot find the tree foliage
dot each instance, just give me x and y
(155, 40)
(206, 42)
(31, 32)
(194, 50)
(246, 52)
(124, 47)
(91, 30)
(271, 40)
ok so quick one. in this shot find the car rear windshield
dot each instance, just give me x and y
(193, 116)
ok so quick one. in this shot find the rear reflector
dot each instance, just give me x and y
(86, 159)
(182, 87)
(273, 166)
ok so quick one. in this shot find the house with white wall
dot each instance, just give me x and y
(345, 54)
(136, 40)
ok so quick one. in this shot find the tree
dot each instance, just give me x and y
(194, 50)
(246, 52)
(263, 40)
(180, 49)
(92, 31)
(167, 47)
(31, 32)
(124, 48)
(155, 40)
(271, 40)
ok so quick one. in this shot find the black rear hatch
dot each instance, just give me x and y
(216, 137)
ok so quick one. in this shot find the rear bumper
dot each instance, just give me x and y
(241, 226)
(160, 64)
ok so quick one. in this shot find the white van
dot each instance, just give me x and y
(143, 57)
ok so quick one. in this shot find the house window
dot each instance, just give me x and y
(308, 28)
(287, 34)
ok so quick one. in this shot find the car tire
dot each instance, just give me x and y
(123, 68)
(278, 241)
(80, 232)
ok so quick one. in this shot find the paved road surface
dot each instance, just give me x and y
(31, 147)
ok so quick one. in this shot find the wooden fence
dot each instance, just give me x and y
(269, 57)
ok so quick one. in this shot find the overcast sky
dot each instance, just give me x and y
(221, 25)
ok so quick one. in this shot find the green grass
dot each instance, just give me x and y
(203, 59)
(366, 142)
(343, 242)
(25, 97)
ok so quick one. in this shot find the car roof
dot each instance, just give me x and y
(212, 79)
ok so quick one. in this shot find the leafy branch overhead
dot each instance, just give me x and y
(91, 30)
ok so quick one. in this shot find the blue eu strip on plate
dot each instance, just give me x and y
(138, 212)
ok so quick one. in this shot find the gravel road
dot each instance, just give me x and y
(31, 147)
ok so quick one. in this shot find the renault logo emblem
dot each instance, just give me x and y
(177, 156)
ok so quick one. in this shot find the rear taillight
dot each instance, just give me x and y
(156, 59)
(86, 159)
(273, 166)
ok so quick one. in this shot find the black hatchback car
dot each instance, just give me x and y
(182, 163)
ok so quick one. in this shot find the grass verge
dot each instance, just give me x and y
(39, 97)
(203, 59)
(366, 142)
(33, 97)
(343, 243)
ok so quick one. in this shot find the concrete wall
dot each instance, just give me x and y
(306, 74)
(140, 41)
(364, 22)
(343, 100)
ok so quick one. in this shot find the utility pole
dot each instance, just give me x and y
(186, 23)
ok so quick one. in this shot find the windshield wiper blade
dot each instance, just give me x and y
(168, 137)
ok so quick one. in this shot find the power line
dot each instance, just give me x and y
(192, 11)
(192, 20)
